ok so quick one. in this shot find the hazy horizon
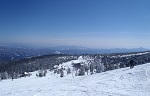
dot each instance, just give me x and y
(92, 24)
(60, 46)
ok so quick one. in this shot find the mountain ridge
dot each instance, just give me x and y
(8, 53)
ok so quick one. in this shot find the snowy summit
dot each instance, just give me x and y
(120, 82)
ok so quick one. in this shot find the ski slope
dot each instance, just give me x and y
(120, 82)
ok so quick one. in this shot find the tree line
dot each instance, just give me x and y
(16, 68)
(98, 63)
(95, 63)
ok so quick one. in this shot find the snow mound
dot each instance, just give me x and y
(120, 82)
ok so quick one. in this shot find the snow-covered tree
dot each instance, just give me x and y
(61, 72)
(68, 70)
(45, 72)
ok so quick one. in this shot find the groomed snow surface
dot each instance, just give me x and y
(120, 82)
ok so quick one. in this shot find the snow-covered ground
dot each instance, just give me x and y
(120, 82)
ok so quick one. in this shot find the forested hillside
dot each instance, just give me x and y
(14, 68)
(97, 62)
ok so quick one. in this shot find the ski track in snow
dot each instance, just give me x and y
(120, 82)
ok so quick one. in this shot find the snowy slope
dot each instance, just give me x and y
(120, 82)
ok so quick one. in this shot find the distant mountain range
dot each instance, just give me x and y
(84, 50)
(8, 53)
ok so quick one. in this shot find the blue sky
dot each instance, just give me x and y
(88, 23)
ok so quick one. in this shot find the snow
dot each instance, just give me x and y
(137, 54)
(69, 63)
(25, 73)
(120, 82)
(57, 52)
